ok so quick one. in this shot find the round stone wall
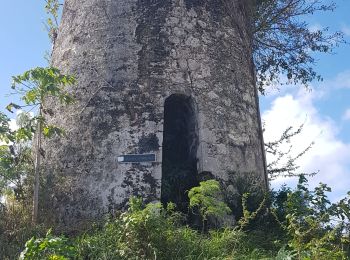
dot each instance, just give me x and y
(128, 56)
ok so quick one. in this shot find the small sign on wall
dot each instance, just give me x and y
(137, 158)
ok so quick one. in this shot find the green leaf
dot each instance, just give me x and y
(50, 131)
(10, 106)
(32, 97)
(24, 134)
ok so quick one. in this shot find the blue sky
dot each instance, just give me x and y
(23, 40)
(325, 111)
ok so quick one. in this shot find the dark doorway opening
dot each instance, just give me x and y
(180, 143)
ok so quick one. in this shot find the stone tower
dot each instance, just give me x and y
(165, 96)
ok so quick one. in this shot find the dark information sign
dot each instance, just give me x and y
(137, 158)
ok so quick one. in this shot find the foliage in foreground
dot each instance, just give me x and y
(299, 224)
(151, 232)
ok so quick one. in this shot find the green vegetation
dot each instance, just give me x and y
(296, 224)
(206, 199)
(19, 168)
(34, 87)
(52, 8)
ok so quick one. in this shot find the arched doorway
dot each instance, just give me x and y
(180, 144)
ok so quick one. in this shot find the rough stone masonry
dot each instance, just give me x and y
(170, 78)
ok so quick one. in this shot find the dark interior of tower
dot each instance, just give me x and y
(180, 143)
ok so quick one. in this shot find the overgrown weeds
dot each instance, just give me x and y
(291, 224)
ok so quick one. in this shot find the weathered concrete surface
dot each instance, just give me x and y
(128, 57)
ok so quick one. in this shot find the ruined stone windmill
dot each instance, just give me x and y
(165, 96)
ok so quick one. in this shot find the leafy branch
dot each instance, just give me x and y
(35, 86)
(207, 199)
(284, 43)
(283, 163)
(52, 8)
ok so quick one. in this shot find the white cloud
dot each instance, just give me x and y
(13, 125)
(346, 115)
(341, 81)
(329, 155)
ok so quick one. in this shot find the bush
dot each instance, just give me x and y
(308, 227)
(50, 247)
(315, 226)
(154, 232)
(15, 228)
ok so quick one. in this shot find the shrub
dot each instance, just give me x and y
(311, 228)
(15, 228)
(50, 247)
(208, 200)
(154, 232)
